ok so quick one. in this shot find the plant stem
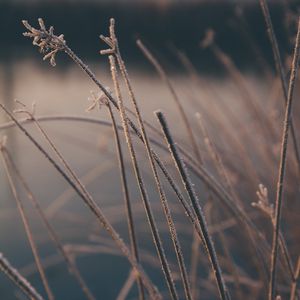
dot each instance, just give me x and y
(282, 166)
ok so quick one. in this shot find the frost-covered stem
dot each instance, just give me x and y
(26, 225)
(195, 203)
(18, 279)
(130, 221)
(143, 192)
(281, 173)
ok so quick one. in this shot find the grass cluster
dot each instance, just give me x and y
(241, 247)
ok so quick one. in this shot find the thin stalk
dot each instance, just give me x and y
(282, 166)
(26, 225)
(163, 198)
(130, 221)
(280, 71)
(195, 203)
(95, 209)
(35, 203)
(143, 192)
(18, 279)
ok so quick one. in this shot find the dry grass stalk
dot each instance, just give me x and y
(195, 203)
(68, 260)
(26, 224)
(130, 221)
(281, 172)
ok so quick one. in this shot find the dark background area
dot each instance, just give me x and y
(238, 25)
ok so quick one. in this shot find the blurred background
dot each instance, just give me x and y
(173, 30)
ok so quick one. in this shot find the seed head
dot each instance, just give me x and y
(49, 43)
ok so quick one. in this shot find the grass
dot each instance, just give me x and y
(216, 210)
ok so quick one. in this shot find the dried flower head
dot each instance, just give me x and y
(97, 100)
(263, 202)
(46, 40)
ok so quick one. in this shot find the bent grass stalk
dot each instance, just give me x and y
(200, 216)
(199, 171)
(95, 209)
(26, 225)
(68, 260)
